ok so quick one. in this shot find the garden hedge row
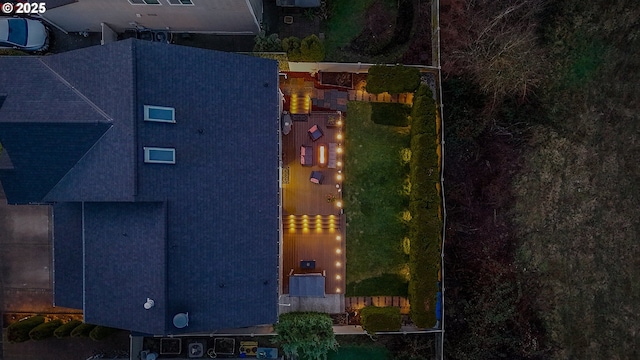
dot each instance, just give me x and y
(394, 114)
(424, 203)
(19, 331)
(44, 330)
(82, 330)
(392, 79)
(65, 330)
(101, 332)
(375, 319)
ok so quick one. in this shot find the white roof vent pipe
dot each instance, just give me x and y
(149, 304)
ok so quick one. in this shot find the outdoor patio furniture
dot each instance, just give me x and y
(307, 285)
(316, 177)
(306, 155)
(315, 132)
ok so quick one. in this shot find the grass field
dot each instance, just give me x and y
(345, 23)
(374, 200)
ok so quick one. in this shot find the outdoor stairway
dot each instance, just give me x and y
(300, 104)
(311, 222)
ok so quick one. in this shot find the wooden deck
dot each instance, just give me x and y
(312, 223)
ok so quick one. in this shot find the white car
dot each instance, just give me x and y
(23, 34)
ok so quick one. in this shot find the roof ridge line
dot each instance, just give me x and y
(77, 92)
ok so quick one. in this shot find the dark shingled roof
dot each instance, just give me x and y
(67, 255)
(218, 256)
(125, 260)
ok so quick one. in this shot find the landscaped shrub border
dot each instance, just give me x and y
(44, 330)
(392, 79)
(393, 114)
(66, 329)
(424, 204)
(101, 332)
(19, 331)
(82, 330)
(310, 48)
(375, 319)
(305, 335)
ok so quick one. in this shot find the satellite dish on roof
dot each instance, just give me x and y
(181, 320)
(149, 304)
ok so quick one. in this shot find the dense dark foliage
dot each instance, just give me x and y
(99, 333)
(65, 329)
(44, 330)
(19, 331)
(392, 79)
(305, 335)
(82, 330)
(375, 319)
(424, 206)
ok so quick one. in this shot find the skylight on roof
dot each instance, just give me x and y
(156, 155)
(159, 113)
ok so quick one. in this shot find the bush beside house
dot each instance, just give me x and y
(19, 331)
(392, 79)
(44, 330)
(82, 330)
(305, 335)
(65, 329)
(375, 319)
(310, 48)
(425, 226)
(393, 114)
(100, 333)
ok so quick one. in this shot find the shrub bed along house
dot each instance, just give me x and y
(65, 329)
(394, 114)
(44, 330)
(424, 205)
(82, 330)
(19, 331)
(101, 332)
(375, 319)
(392, 79)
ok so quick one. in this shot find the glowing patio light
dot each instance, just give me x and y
(339, 122)
(339, 163)
(339, 204)
(338, 237)
(339, 150)
(339, 136)
(338, 264)
(338, 290)
(338, 251)
(338, 277)
(339, 177)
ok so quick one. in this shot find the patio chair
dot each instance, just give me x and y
(315, 132)
(316, 177)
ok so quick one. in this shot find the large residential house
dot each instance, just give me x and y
(161, 166)
(195, 16)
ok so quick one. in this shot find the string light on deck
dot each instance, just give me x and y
(339, 204)
(338, 290)
(339, 136)
(338, 277)
(338, 251)
(338, 237)
(339, 177)
(339, 150)
(338, 264)
(339, 163)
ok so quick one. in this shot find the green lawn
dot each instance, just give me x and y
(374, 200)
(345, 22)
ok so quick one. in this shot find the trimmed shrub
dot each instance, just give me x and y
(392, 79)
(375, 319)
(424, 204)
(264, 43)
(305, 335)
(101, 332)
(82, 330)
(44, 330)
(19, 331)
(393, 114)
(310, 48)
(65, 330)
